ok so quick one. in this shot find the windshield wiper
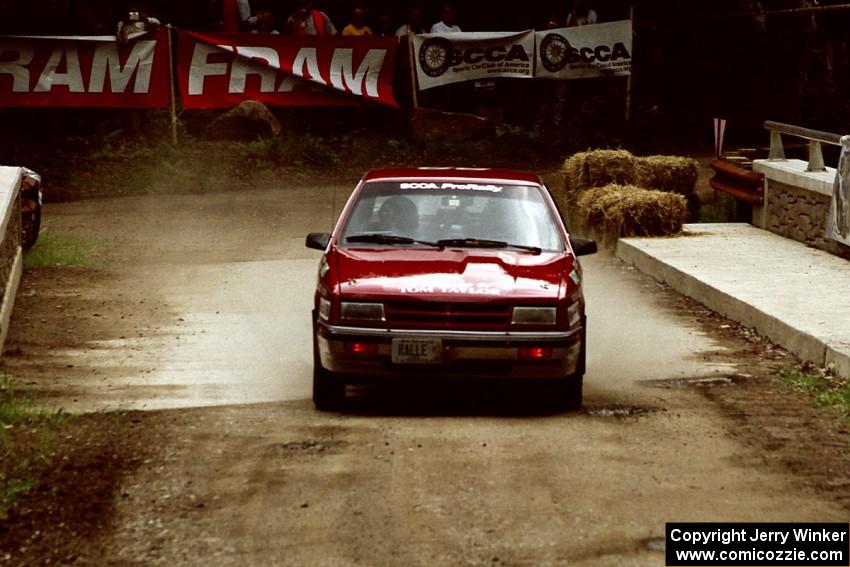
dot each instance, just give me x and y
(390, 239)
(483, 243)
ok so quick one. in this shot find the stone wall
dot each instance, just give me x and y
(11, 256)
(797, 204)
(9, 247)
(800, 214)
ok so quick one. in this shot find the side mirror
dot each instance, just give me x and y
(583, 247)
(318, 240)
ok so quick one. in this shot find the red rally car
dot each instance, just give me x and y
(448, 273)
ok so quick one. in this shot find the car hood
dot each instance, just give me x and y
(451, 274)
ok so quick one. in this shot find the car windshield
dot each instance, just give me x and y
(437, 213)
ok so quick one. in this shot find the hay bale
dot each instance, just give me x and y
(626, 210)
(572, 174)
(670, 174)
(598, 168)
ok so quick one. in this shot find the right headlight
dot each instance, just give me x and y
(534, 316)
(574, 314)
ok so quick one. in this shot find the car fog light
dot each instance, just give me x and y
(362, 311)
(324, 309)
(534, 316)
(535, 352)
(361, 348)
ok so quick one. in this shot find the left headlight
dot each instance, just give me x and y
(534, 316)
(324, 309)
(362, 311)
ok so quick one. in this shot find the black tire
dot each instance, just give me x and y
(570, 392)
(328, 388)
(570, 389)
(554, 52)
(435, 56)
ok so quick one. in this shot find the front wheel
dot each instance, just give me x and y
(328, 388)
(570, 389)
(569, 392)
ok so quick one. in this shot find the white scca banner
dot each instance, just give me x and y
(585, 52)
(838, 223)
(442, 59)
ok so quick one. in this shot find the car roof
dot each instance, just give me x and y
(470, 174)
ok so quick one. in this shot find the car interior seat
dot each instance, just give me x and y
(499, 221)
(399, 215)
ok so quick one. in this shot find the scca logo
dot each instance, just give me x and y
(438, 54)
(419, 186)
(495, 54)
(556, 53)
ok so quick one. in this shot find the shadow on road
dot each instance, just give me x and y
(442, 399)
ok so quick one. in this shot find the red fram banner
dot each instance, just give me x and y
(221, 70)
(84, 71)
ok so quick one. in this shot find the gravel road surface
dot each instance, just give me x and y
(197, 311)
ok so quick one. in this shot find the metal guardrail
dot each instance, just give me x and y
(815, 138)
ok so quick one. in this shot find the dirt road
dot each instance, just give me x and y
(198, 307)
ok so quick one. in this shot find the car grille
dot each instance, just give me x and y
(447, 314)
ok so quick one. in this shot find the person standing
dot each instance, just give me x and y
(306, 20)
(238, 16)
(551, 95)
(415, 23)
(581, 15)
(135, 22)
(357, 27)
(247, 20)
(448, 23)
(265, 23)
(386, 24)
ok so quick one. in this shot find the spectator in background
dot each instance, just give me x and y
(447, 24)
(357, 27)
(551, 95)
(415, 23)
(238, 16)
(581, 15)
(135, 22)
(247, 20)
(386, 25)
(306, 20)
(265, 23)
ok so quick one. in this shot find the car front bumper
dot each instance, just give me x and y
(465, 354)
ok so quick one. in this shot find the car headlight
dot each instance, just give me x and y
(534, 316)
(362, 311)
(324, 309)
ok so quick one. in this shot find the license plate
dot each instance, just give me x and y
(417, 351)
